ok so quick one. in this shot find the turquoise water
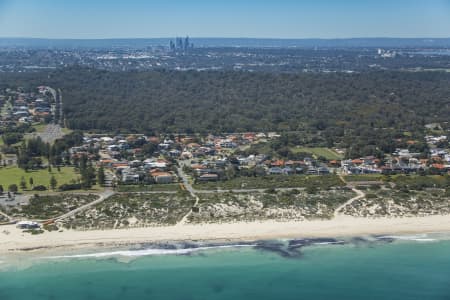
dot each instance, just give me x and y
(398, 270)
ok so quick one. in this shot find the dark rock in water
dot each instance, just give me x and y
(167, 246)
(278, 248)
(359, 240)
(162, 246)
(298, 243)
(187, 245)
(385, 239)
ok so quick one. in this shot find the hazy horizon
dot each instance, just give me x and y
(288, 19)
(227, 38)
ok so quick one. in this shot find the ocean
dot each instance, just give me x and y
(408, 267)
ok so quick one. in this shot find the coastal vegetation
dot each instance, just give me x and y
(318, 152)
(135, 210)
(281, 205)
(42, 207)
(174, 187)
(311, 183)
(400, 203)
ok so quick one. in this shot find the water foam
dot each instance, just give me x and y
(416, 238)
(330, 243)
(147, 252)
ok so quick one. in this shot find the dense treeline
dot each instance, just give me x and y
(364, 112)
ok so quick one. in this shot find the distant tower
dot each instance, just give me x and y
(179, 42)
(186, 44)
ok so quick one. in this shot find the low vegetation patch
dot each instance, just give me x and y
(46, 207)
(134, 210)
(286, 205)
(400, 203)
(276, 181)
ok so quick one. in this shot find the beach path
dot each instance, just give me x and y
(359, 195)
(191, 190)
(103, 196)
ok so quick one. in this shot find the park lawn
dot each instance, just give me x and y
(39, 127)
(66, 130)
(13, 175)
(318, 151)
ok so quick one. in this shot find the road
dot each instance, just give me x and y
(110, 177)
(103, 196)
(190, 189)
(61, 120)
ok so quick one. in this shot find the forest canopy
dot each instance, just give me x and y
(336, 107)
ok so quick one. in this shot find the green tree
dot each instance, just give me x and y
(53, 182)
(13, 188)
(101, 176)
(1, 189)
(31, 181)
(23, 183)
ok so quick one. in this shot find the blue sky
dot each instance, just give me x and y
(224, 18)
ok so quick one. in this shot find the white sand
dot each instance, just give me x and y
(338, 227)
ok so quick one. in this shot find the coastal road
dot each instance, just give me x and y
(103, 196)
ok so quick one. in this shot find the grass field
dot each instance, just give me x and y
(39, 127)
(12, 175)
(318, 151)
(66, 130)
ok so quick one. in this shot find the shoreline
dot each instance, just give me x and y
(342, 226)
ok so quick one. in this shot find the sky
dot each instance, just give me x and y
(224, 18)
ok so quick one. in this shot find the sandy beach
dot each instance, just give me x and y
(14, 240)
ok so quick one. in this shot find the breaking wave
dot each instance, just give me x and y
(147, 252)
